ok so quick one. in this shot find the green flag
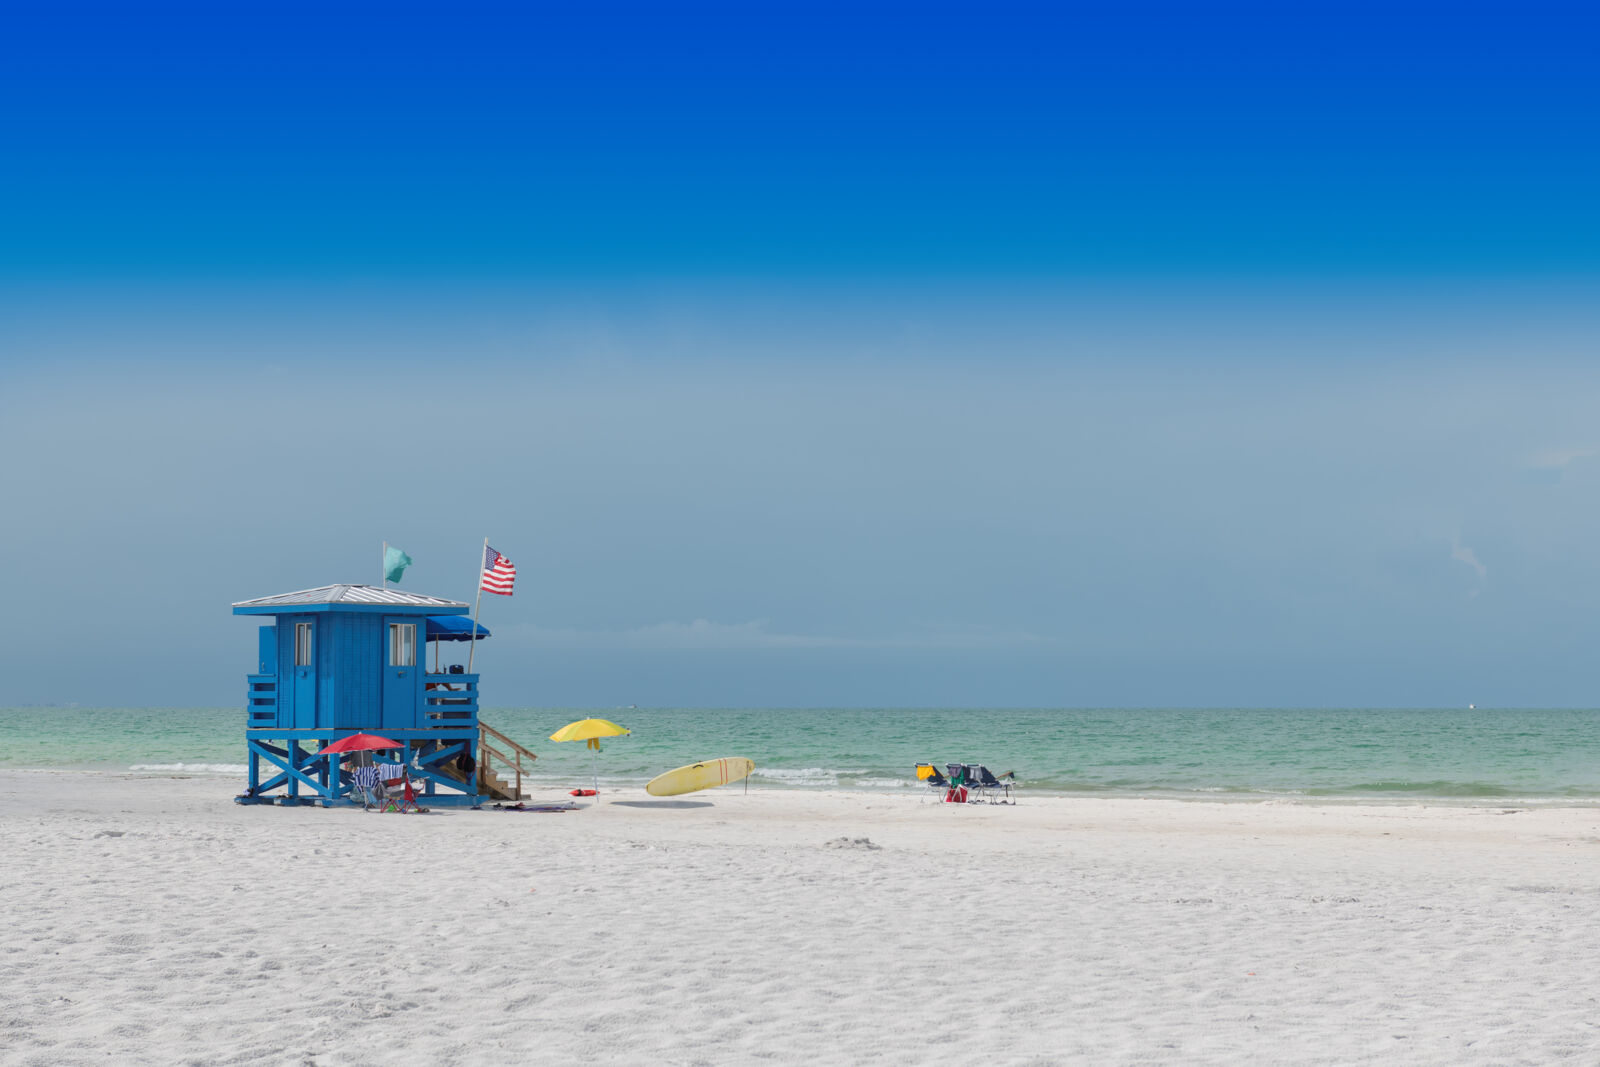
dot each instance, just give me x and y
(395, 563)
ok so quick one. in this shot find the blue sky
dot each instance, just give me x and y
(860, 356)
(485, 140)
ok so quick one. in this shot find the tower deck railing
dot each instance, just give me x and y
(261, 700)
(450, 699)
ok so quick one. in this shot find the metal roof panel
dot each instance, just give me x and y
(353, 595)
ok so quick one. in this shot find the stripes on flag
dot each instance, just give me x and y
(499, 573)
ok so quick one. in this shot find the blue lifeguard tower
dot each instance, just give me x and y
(347, 659)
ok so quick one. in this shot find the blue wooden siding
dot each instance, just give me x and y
(327, 670)
(349, 684)
(363, 644)
(285, 670)
(351, 680)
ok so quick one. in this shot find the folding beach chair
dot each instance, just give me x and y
(365, 781)
(927, 772)
(991, 788)
(398, 794)
(958, 787)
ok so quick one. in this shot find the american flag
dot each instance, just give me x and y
(499, 573)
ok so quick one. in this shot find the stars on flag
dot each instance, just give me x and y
(499, 573)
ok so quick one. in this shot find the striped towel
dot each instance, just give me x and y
(390, 772)
(366, 777)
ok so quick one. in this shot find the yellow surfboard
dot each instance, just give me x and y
(698, 776)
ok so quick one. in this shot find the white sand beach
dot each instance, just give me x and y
(152, 921)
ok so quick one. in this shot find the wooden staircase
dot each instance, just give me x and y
(494, 782)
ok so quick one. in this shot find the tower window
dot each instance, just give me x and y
(402, 644)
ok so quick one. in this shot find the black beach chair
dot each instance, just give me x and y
(927, 772)
(991, 788)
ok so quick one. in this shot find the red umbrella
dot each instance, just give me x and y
(360, 743)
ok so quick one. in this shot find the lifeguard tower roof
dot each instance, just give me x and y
(350, 598)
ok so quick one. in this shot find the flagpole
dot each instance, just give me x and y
(472, 648)
(383, 565)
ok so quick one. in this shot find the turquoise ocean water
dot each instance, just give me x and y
(1483, 755)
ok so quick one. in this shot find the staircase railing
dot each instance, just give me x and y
(487, 753)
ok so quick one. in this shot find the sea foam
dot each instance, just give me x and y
(229, 769)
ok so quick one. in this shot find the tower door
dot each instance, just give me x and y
(402, 678)
(304, 658)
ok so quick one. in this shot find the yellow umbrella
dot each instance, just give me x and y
(590, 730)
